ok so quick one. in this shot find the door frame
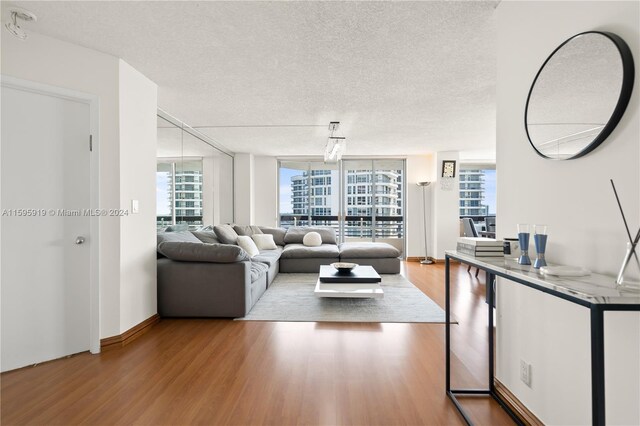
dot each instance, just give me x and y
(93, 101)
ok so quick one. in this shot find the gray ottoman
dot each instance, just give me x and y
(384, 258)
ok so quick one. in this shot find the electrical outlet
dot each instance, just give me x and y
(525, 372)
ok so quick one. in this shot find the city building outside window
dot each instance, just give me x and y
(477, 192)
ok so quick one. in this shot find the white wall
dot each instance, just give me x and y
(574, 199)
(445, 206)
(47, 60)
(266, 191)
(225, 185)
(243, 179)
(138, 106)
(50, 61)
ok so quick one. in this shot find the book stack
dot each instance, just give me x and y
(480, 247)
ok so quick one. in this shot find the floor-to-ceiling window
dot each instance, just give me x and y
(309, 194)
(362, 199)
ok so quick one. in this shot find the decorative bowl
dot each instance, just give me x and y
(344, 267)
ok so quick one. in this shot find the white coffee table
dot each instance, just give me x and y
(351, 286)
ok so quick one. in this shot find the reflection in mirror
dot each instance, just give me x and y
(573, 102)
(194, 180)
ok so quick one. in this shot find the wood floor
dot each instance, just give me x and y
(221, 372)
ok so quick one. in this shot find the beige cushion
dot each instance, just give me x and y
(312, 239)
(248, 245)
(264, 241)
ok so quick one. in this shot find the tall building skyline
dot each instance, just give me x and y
(472, 193)
(187, 203)
(370, 197)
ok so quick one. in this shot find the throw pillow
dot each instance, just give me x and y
(312, 239)
(278, 234)
(264, 241)
(248, 245)
(246, 230)
(208, 237)
(226, 234)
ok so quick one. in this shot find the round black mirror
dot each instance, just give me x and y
(579, 95)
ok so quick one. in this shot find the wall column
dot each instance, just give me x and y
(244, 189)
(445, 206)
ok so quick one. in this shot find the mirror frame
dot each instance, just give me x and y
(628, 74)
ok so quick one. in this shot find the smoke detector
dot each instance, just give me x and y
(18, 13)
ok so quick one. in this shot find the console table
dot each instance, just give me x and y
(596, 292)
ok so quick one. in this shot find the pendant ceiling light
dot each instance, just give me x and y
(336, 145)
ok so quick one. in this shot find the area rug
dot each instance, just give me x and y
(290, 298)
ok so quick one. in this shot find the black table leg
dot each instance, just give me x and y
(490, 392)
(597, 366)
(447, 319)
(491, 301)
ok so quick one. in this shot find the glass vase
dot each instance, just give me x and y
(523, 240)
(540, 241)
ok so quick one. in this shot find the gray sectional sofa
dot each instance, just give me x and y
(205, 274)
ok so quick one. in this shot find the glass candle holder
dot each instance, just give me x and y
(523, 240)
(540, 241)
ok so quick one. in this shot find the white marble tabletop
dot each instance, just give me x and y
(593, 288)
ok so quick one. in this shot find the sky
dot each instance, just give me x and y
(162, 194)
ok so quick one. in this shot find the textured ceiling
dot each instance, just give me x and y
(402, 77)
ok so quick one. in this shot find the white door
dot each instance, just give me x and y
(45, 273)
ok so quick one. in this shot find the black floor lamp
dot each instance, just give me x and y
(426, 260)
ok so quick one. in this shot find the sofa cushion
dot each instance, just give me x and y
(226, 234)
(247, 230)
(268, 257)
(367, 251)
(278, 234)
(295, 234)
(183, 236)
(201, 252)
(257, 270)
(264, 241)
(248, 245)
(299, 251)
(312, 239)
(208, 237)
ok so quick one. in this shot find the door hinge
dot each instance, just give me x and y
(90, 142)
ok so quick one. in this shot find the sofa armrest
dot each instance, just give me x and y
(203, 289)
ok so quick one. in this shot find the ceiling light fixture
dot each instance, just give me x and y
(336, 145)
(19, 13)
